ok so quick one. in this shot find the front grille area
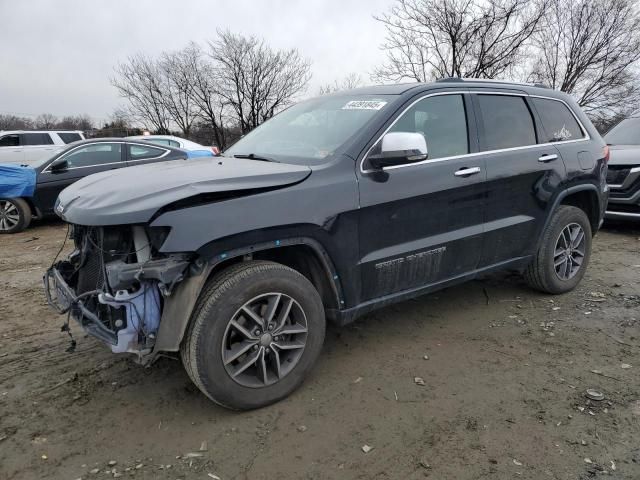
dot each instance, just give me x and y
(91, 273)
(617, 175)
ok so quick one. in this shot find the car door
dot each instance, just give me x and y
(522, 174)
(37, 146)
(10, 149)
(139, 154)
(421, 223)
(81, 161)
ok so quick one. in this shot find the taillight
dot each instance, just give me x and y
(606, 153)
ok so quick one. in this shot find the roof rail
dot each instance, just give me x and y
(488, 80)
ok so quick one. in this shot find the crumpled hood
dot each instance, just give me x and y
(624, 155)
(134, 194)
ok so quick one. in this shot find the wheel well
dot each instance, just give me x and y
(586, 201)
(302, 258)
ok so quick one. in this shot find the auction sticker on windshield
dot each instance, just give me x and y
(364, 105)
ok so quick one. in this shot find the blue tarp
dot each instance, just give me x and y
(16, 181)
(199, 153)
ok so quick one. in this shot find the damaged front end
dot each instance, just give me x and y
(115, 283)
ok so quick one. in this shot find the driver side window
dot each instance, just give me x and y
(94, 155)
(442, 120)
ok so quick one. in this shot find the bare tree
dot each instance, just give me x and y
(46, 121)
(178, 77)
(428, 39)
(353, 80)
(139, 80)
(204, 92)
(75, 122)
(255, 80)
(14, 122)
(591, 49)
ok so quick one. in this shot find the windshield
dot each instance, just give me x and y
(310, 131)
(627, 132)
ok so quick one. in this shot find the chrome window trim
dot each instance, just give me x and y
(166, 152)
(155, 145)
(47, 169)
(471, 154)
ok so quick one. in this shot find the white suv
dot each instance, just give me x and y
(28, 146)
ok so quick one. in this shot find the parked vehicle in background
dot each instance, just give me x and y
(178, 142)
(29, 146)
(624, 169)
(28, 192)
(335, 207)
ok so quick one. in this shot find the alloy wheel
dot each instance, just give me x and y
(569, 251)
(9, 215)
(264, 340)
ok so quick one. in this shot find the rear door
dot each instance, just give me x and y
(523, 172)
(81, 161)
(10, 149)
(421, 223)
(37, 146)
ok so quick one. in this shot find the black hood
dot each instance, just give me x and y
(134, 194)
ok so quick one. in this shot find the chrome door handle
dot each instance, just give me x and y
(547, 157)
(465, 172)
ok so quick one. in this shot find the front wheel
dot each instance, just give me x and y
(255, 333)
(15, 215)
(563, 256)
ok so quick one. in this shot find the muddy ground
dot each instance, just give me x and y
(503, 398)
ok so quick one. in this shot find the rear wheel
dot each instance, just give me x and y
(15, 215)
(563, 256)
(255, 333)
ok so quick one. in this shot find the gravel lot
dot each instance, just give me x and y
(505, 372)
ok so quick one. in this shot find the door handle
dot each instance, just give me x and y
(547, 157)
(466, 172)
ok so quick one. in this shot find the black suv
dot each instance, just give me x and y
(337, 206)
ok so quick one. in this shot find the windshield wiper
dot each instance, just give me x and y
(253, 156)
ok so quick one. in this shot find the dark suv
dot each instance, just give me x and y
(335, 207)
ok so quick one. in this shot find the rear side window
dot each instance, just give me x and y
(36, 139)
(139, 152)
(507, 122)
(557, 120)
(69, 137)
(164, 141)
(10, 141)
(94, 155)
(443, 123)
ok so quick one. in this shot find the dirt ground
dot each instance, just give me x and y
(505, 372)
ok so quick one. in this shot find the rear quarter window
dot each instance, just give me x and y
(558, 122)
(69, 137)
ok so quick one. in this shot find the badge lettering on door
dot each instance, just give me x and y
(400, 273)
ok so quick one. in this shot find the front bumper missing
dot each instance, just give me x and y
(63, 299)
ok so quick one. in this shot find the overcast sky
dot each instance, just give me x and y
(56, 56)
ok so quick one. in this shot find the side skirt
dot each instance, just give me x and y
(344, 317)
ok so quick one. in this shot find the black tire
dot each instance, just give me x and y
(7, 208)
(541, 273)
(222, 298)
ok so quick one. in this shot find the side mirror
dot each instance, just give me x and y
(59, 165)
(398, 148)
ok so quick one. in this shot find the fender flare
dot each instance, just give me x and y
(178, 308)
(561, 196)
